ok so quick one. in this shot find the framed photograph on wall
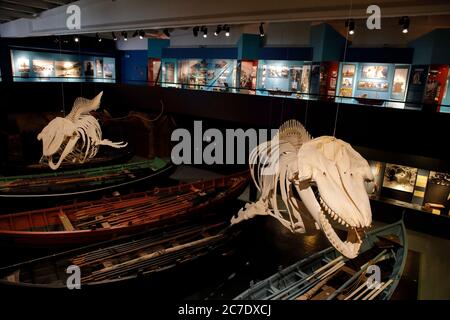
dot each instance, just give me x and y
(346, 92)
(88, 69)
(23, 67)
(108, 69)
(304, 85)
(399, 177)
(278, 72)
(348, 70)
(68, 69)
(347, 83)
(373, 85)
(99, 68)
(437, 195)
(44, 68)
(347, 76)
(333, 83)
(399, 83)
(170, 72)
(418, 76)
(374, 72)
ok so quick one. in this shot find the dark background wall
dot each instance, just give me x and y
(409, 137)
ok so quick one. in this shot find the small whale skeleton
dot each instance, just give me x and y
(75, 138)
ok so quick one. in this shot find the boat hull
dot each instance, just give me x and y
(282, 285)
(62, 239)
(18, 200)
(203, 238)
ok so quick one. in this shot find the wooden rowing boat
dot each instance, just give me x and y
(91, 221)
(328, 275)
(128, 258)
(75, 183)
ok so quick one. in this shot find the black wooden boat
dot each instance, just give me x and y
(123, 260)
(327, 275)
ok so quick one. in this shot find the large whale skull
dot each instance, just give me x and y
(61, 137)
(322, 182)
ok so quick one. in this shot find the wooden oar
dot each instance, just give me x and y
(377, 292)
(357, 274)
(100, 274)
(316, 273)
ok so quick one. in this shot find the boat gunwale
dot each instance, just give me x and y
(12, 234)
(169, 166)
(101, 169)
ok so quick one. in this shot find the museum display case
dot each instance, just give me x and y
(389, 85)
(247, 75)
(373, 83)
(58, 67)
(199, 74)
(427, 190)
(283, 77)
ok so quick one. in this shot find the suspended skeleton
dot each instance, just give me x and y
(61, 137)
(322, 183)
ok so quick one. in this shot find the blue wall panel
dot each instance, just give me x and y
(432, 48)
(248, 46)
(275, 53)
(134, 66)
(200, 53)
(327, 43)
(155, 47)
(380, 55)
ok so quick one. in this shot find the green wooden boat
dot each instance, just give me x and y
(75, 183)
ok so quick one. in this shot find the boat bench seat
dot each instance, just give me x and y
(65, 221)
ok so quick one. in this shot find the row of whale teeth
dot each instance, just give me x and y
(332, 214)
(348, 249)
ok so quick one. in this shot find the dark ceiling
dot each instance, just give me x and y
(16, 9)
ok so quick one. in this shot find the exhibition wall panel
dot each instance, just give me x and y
(58, 67)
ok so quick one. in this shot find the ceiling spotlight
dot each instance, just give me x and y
(76, 39)
(227, 30)
(218, 29)
(261, 30)
(350, 25)
(125, 36)
(114, 36)
(404, 22)
(205, 32)
(195, 31)
(99, 39)
(141, 34)
(135, 34)
(167, 33)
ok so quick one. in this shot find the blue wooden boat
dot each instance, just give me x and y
(328, 275)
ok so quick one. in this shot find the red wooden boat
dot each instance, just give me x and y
(92, 221)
